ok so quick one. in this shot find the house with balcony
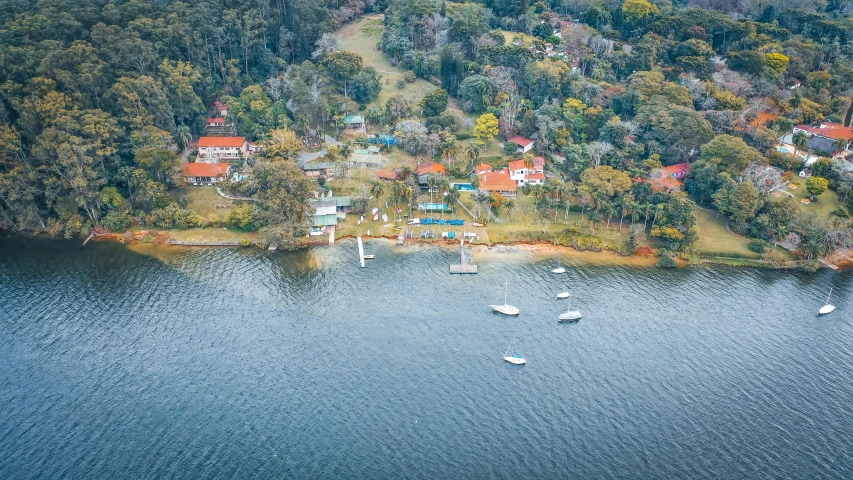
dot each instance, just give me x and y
(498, 182)
(527, 173)
(221, 149)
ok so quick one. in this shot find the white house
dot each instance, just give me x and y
(218, 149)
(523, 173)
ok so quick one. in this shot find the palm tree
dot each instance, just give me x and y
(377, 189)
(634, 208)
(443, 187)
(409, 193)
(432, 181)
(509, 205)
(452, 198)
(611, 210)
(658, 209)
(840, 145)
(473, 153)
(800, 141)
(398, 192)
(183, 136)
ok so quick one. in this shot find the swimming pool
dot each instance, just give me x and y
(432, 206)
(783, 150)
(465, 187)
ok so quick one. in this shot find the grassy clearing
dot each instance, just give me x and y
(205, 200)
(714, 239)
(823, 205)
(361, 37)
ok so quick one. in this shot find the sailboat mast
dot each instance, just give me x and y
(506, 286)
(830, 294)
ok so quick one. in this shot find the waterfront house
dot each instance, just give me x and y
(498, 182)
(431, 167)
(198, 173)
(219, 149)
(524, 144)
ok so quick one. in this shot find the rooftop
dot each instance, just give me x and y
(431, 167)
(200, 169)
(235, 142)
(497, 182)
(519, 140)
(482, 168)
(829, 130)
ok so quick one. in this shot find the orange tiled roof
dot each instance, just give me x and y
(535, 176)
(431, 167)
(517, 165)
(200, 169)
(519, 140)
(829, 130)
(215, 120)
(497, 182)
(221, 141)
(482, 168)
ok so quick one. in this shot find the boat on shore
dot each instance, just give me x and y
(505, 309)
(370, 256)
(511, 357)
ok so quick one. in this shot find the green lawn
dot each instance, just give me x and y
(714, 239)
(205, 200)
(212, 235)
(823, 204)
(361, 37)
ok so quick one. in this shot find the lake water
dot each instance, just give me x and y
(165, 362)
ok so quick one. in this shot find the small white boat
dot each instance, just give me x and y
(828, 308)
(570, 315)
(370, 256)
(563, 295)
(511, 357)
(506, 309)
(559, 269)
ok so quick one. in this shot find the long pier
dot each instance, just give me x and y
(401, 238)
(463, 266)
(360, 252)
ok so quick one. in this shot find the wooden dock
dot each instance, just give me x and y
(401, 238)
(463, 267)
(360, 252)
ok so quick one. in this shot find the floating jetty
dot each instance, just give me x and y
(401, 238)
(463, 266)
(361, 252)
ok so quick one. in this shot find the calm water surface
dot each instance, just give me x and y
(232, 363)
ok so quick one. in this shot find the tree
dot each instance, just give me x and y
(638, 9)
(744, 202)
(342, 65)
(284, 191)
(800, 140)
(396, 109)
(776, 62)
(732, 150)
(434, 102)
(486, 128)
(283, 145)
(816, 186)
(477, 91)
(364, 86)
(606, 182)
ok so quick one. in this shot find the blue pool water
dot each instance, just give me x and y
(465, 187)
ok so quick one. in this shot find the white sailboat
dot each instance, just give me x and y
(828, 308)
(506, 309)
(570, 315)
(564, 294)
(559, 269)
(511, 357)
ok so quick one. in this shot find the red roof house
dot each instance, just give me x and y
(431, 167)
(499, 182)
(233, 142)
(386, 174)
(200, 172)
(670, 178)
(832, 131)
(524, 144)
(483, 168)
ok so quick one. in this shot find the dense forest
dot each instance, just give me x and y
(98, 98)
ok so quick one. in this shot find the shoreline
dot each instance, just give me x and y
(164, 238)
